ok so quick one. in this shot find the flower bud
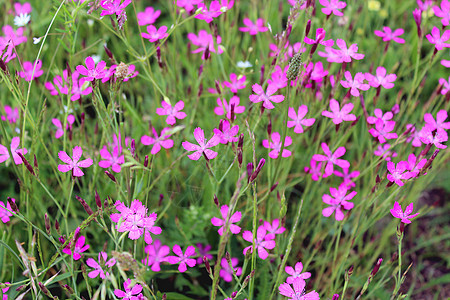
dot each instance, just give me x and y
(377, 267)
(86, 207)
(216, 201)
(249, 170)
(207, 266)
(335, 297)
(111, 176)
(161, 198)
(98, 201)
(146, 161)
(308, 27)
(26, 163)
(47, 224)
(57, 227)
(261, 78)
(12, 203)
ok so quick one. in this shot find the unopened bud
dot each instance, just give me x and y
(377, 267)
(161, 198)
(98, 201)
(232, 112)
(241, 141)
(269, 127)
(200, 70)
(261, 78)
(207, 266)
(146, 161)
(240, 157)
(233, 294)
(68, 289)
(335, 297)
(217, 83)
(12, 203)
(164, 297)
(26, 163)
(308, 27)
(86, 207)
(47, 224)
(111, 176)
(216, 201)
(249, 170)
(108, 52)
(57, 227)
(274, 187)
(35, 163)
(43, 289)
(200, 90)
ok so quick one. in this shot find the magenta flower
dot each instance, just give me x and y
(273, 228)
(346, 54)
(414, 166)
(188, 5)
(275, 144)
(5, 211)
(445, 85)
(226, 132)
(28, 68)
(331, 158)
(428, 136)
(437, 39)
(158, 141)
(148, 16)
(114, 7)
(154, 34)
(383, 151)
(405, 217)
(445, 63)
(114, 161)
(156, 253)
(12, 115)
(439, 124)
(208, 15)
(315, 170)
(414, 136)
(298, 292)
(60, 131)
(236, 82)
(12, 38)
(203, 251)
(205, 40)
(381, 78)
(318, 73)
(74, 164)
(339, 115)
(443, 12)
(425, 5)
(98, 266)
(332, 6)
(398, 172)
(182, 259)
(59, 84)
(225, 107)
(226, 272)
(356, 84)
(77, 87)
(347, 177)
(236, 217)
(253, 28)
(92, 72)
(79, 248)
(379, 117)
(172, 112)
(4, 290)
(320, 36)
(266, 97)
(261, 243)
(388, 35)
(278, 78)
(298, 119)
(4, 154)
(203, 145)
(22, 8)
(339, 202)
(129, 291)
(296, 273)
(382, 131)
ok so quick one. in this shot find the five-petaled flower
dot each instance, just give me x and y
(148, 16)
(92, 72)
(398, 172)
(172, 112)
(331, 158)
(355, 84)
(298, 119)
(332, 6)
(183, 258)
(261, 243)
(267, 97)
(275, 144)
(339, 202)
(129, 291)
(12, 115)
(98, 266)
(226, 272)
(253, 28)
(320, 36)
(236, 217)
(337, 114)
(298, 292)
(203, 145)
(236, 82)
(405, 217)
(225, 107)
(296, 273)
(205, 40)
(155, 254)
(4, 154)
(31, 70)
(382, 131)
(226, 132)
(114, 161)
(154, 34)
(73, 163)
(439, 40)
(443, 12)
(381, 78)
(158, 141)
(387, 34)
(6, 211)
(79, 248)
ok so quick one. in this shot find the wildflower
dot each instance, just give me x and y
(92, 72)
(380, 117)
(22, 8)
(156, 253)
(226, 132)
(148, 16)
(275, 144)
(5, 211)
(331, 159)
(129, 291)
(236, 217)
(205, 40)
(398, 172)
(383, 151)
(114, 161)
(414, 166)
(338, 115)
(59, 84)
(244, 64)
(347, 177)
(78, 87)
(236, 82)
(261, 243)
(154, 34)
(266, 97)
(414, 136)
(22, 20)
(203, 145)
(437, 39)
(60, 131)
(315, 170)
(296, 273)
(98, 266)
(439, 124)
(273, 228)
(203, 251)
(74, 164)
(158, 141)
(339, 202)
(381, 78)
(4, 154)
(172, 112)
(332, 6)
(182, 259)
(320, 36)
(443, 12)
(405, 217)
(253, 28)
(112, 7)
(346, 54)
(425, 5)
(226, 272)
(417, 15)
(12, 115)
(445, 85)
(382, 131)
(298, 292)
(318, 73)
(278, 78)
(225, 107)
(427, 136)
(4, 290)
(79, 248)
(388, 35)
(188, 5)
(355, 84)
(12, 37)
(209, 15)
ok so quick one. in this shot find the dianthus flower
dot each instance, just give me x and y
(4, 154)
(225, 107)
(339, 115)
(60, 131)
(320, 36)
(129, 291)
(388, 35)
(236, 82)
(382, 131)
(148, 16)
(273, 228)
(158, 141)
(298, 292)
(425, 5)
(253, 28)
(339, 202)
(414, 136)
(445, 85)
(355, 84)
(12, 37)
(22, 8)
(172, 112)
(381, 78)
(439, 123)
(98, 266)
(383, 151)
(156, 253)
(205, 40)
(275, 144)
(12, 115)
(296, 273)
(315, 170)
(73, 163)
(298, 119)
(437, 39)
(428, 136)
(398, 172)
(318, 73)
(226, 132)
(79, 248)
(405, 217)
(208, 15)
(203, 251)
(236, 217)
(114, 161)
(182, 258)
(379, 117)
(203, 145)
(92, 72)
(5, 210)
(443, 12)
(28, 68)
(266, 97)
(188, 5)
(331, 158)
(278, 78)
(332, 6)
(415, 166)
(114, 7)
(347, 177)
(154, 35)
(261, 243)
(226, 272)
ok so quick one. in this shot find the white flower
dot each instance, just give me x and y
(22, 20)
(244, 64)
(37, 40)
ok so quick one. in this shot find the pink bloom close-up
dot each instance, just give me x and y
(355, 84)
(388, 35)
(337, 201)
(398, 173)
(266, 97)
(12, 115)
(226, 272)
(172, 112)
(204, 41)
(381, 78)
(296, 272)
(153, 34)
(97, 265)
(261, 243)
(253, 28)
(332, 7)
(203, 145)
(79, 248)
(73, 164)
(129, 291)
(91, 71)
(113, 160)
(4, 153)
(158, 141)
(182, 259)
(236, 217)
(225, 107)
(5, 211)
(236, 82)
(298, 291)
(405, 216)
(148, 16)
(298, 118)
(156, 253)
(437, 39)
(339, 115)
(276, 144)
(331, 158)
(29, 67)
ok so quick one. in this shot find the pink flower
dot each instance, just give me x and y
(315, 170)
(383, 151)
(155, 254)
(337, 203)
(298, 119)
(445, 85)
(5, 211)
(4, 154)
(77, 87)
(22, 8)
(278, 78)
(273, 229)
(226, 272)
(4, 290)
(428, 136)
(60, 131)
(11, 37)
(172, 112)
(205, 40)
(347, 177)
(12, 115)
(331, 159)
(381, 78)
(405, 217)
(414, 136)
(182, 259)
(253, 28)
(297, 273)
(266, 97)
(414, 166)
(98, 266)
(318, 72)
(111, 7)
(425, 5)
(320, 36)
(398, 172)
(439, 124)
(158, 141)
(203, 145)
(203, 251)
(236, 82)
(114, 161)
(59, 85)
(380, 117)
(209, 15)
(148, 16)
(298, 292)
(92, 72)
(236, 217)
(188, 5)
(261, 243)
(79, 248)
(226, 132)
(356, 84)
(129, 291)
(224, 107)
(332, 6)
(443, 12)
(438, 40)
(74, 164)
(275, 144)
(382, 131)
(338, 115)
(387, 34)
(154, 34)
(28, 68)
(346, 54)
